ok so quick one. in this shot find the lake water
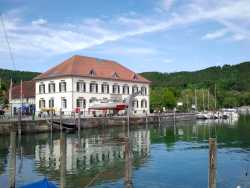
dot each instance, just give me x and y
(162, 155)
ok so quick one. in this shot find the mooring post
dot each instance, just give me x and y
(60, 119)
(146, 118)
(51, 119)
(63, 160)
(79, 121)
(74, 116)
(12, 160)
(212, 163)
(159, 120)
(19, 123)
(128, 165)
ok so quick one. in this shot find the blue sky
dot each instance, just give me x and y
(144, 35)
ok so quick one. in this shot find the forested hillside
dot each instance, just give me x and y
(232, 85)
(16, 76)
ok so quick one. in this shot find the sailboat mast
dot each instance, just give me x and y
(21, 97)
(195, 95)
(203, 99)
(208, 99)
(215, 100)
(10, 97)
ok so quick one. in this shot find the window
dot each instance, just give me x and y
(51, 103)
(80, 86)
(105, 88)
(134, 89)
(125, 89)
(41, 103)
(93, 87)
(135, 77)
(81, 103)
(135, 104)
(143, 90)
(64, 103)
(42, 88)
(51, 87)
(115, 75)
(143, 103)
(62, 86)
(116, 89)
(92, 72)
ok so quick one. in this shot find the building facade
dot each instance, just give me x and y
(23, 97)
(80, 81)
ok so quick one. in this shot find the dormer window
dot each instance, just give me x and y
(92, 72)
(135, 77)
(115, 75)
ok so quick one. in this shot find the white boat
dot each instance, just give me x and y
(230, 113)
(202, 115)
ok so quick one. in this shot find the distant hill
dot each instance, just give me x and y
(232, 84)
(228, 77)
(16, 76)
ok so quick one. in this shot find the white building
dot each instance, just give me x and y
(79, 81)
(27, 101)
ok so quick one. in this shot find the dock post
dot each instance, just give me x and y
(128, 165)
(159, 119)
(51, 118)
(63, 159)
(60, 119)
(12, 160)
(79, 121)
(19, 122)
(212, 163)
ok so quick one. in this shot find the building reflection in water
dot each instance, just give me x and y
(70, 154)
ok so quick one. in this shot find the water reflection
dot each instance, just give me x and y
(111, 158)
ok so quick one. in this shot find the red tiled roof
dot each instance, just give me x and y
(84, 66)
(28, 90)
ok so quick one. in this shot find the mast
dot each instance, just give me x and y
(10, 97)
(208, 98)
(195, 100)
(215, 100)
(21, 97)
(203, 99)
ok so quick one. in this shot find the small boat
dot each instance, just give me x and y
(68, 126)
(202, 116)
(40, 184)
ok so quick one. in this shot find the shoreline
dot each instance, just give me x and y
(42, 125)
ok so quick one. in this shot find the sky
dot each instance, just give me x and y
(144, 35)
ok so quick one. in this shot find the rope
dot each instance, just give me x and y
(8, 43)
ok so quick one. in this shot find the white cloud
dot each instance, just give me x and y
(168, 61)
(167, 4)
(215, 35)
(39, 22)
(40, 38)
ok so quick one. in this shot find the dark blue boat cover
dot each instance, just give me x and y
(40, 184)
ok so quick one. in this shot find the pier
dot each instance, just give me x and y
(39, 125)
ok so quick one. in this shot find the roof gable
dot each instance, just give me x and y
(88, 67)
